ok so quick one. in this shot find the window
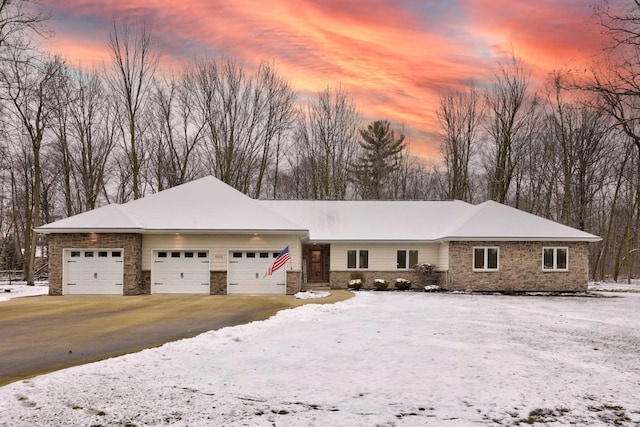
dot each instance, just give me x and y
(357, 259)
(555, 259)
(175, 254)
(116, 254)
(75, 254)
(162, 254)
(188, 254)
(264, 254)
(204, 254)
(251, 254)
(485, 259)
(235, 254)
(88, 254)
(406, 259)
(103, 254)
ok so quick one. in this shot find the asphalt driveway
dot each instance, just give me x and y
(44, 334)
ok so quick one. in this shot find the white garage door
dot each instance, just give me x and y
(180, 272)
(246, 274)
(93, 271)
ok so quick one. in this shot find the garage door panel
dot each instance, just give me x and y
(180, 272)
(93, 272)
(246, 274)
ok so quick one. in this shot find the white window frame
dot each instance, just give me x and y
(485, 260)
(358, 266)
(555, 258)
(407, 254)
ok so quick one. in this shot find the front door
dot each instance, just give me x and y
(316, 267)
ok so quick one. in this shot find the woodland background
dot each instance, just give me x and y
(74, 139)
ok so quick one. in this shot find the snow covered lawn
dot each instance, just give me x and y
(386, 359)
(20, 289)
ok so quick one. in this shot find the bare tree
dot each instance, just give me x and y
(460, 114)
(134, 63)
(176, 130)
(245, 117)
(325, 144)
(615, 79)
(94, 131)
(581, 129)
(26, 85)
(19, 19)
(511, 115)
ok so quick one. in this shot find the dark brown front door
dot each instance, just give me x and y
(315, 267)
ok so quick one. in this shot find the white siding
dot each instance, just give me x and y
(443, 260)
(383, 256)
(219, 246)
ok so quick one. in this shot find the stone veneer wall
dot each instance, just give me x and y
(294, 281)
(218, 282)
(520, 268)
(130, 243)
(145, 282)
(340, 279)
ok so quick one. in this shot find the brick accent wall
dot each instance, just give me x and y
(294, 281)
(131, 243)
(520, 268)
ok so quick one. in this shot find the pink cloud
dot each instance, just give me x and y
(394, 57)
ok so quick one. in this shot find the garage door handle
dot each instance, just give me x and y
(71, 284)
(118, 284)
(95, 275)
(233, 284)
(280, 284)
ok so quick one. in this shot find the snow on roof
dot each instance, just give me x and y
(206, 204)
(397, 220)
(492, 221)
(333, 220)
(110, 217)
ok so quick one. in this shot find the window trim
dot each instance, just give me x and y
(555, 258)
(485, 267)
(358, 253)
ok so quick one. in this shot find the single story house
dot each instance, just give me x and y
(205, 237)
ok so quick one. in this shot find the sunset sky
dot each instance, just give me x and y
(395, 57)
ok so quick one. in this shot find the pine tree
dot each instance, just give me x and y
(379, 159)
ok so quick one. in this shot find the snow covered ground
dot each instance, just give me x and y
(385, 359)
(20, 289)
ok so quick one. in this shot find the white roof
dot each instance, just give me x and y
(332, 220)
(400, 220)
(203, 205)
(494, 221)
(209, 205)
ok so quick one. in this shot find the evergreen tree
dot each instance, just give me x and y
(381, 147)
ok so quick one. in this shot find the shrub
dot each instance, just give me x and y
(355, 284)
(424, 268)
(380, 284)
(426, 272)
(403, 284)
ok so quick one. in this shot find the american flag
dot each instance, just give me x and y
(280, 260)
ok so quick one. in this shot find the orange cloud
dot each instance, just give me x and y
(394, 57)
